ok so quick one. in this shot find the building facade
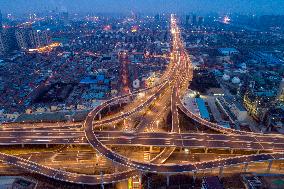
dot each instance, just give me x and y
(23, 40)
(39, 38)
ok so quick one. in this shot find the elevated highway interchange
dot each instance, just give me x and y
(175, 80)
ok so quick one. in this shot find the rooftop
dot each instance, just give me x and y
(212, 183)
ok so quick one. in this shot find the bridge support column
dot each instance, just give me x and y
(168, 180)
(100, 116)
(269, 166)
(120, 104)
(258, 151)
(46, 145)
(102, 180)
(221, 172)
(149, 186)
(108, 108)
(232, 151)
(206, 150)
(246, 167)
(194, 177)
(140, 178)
(23, 145)
(151, 149)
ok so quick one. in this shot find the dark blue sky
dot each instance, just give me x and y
(147, 6)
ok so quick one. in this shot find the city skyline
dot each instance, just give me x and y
(147, 6)
(141, 101)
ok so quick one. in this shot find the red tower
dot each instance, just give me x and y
(124, 72)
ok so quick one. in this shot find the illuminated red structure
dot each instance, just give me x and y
(124, 72)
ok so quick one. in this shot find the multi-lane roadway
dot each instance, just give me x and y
(162, 139)
(175, 81)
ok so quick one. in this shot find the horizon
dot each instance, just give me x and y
(258, 7)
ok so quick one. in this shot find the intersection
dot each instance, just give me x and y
(166, 95)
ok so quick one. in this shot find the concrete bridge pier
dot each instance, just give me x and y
(168, 180)
(269, 165)
(46, 145)
(206, 150)
(151, 149)
(140, 177)
(194, 176)
(221, 172)
(102, 181)
(100, 116)
(23, 145)
(246, 167)
(232, 151)
(149, 186)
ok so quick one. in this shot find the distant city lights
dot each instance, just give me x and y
(107, 28)
(226, 20)
(134, 29)
(46, 48)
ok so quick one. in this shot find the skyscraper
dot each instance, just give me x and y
(23, 39)
(157, 17)
(200, 20)
(1, 20)
(65, 16)
(2, 44)
(187, 20)
(194, 20)
(39, 38)
(8, 41)
(124, 72)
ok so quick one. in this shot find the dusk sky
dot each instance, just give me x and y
(147, 6)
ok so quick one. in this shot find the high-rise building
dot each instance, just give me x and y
(8, 41)
(1, 20)
(39, 38)
(2, 44)
(194, 20)
(157, 17)
(124, 72)
(65, 16)
(187, 20)
(200, 20)
(23, 39)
